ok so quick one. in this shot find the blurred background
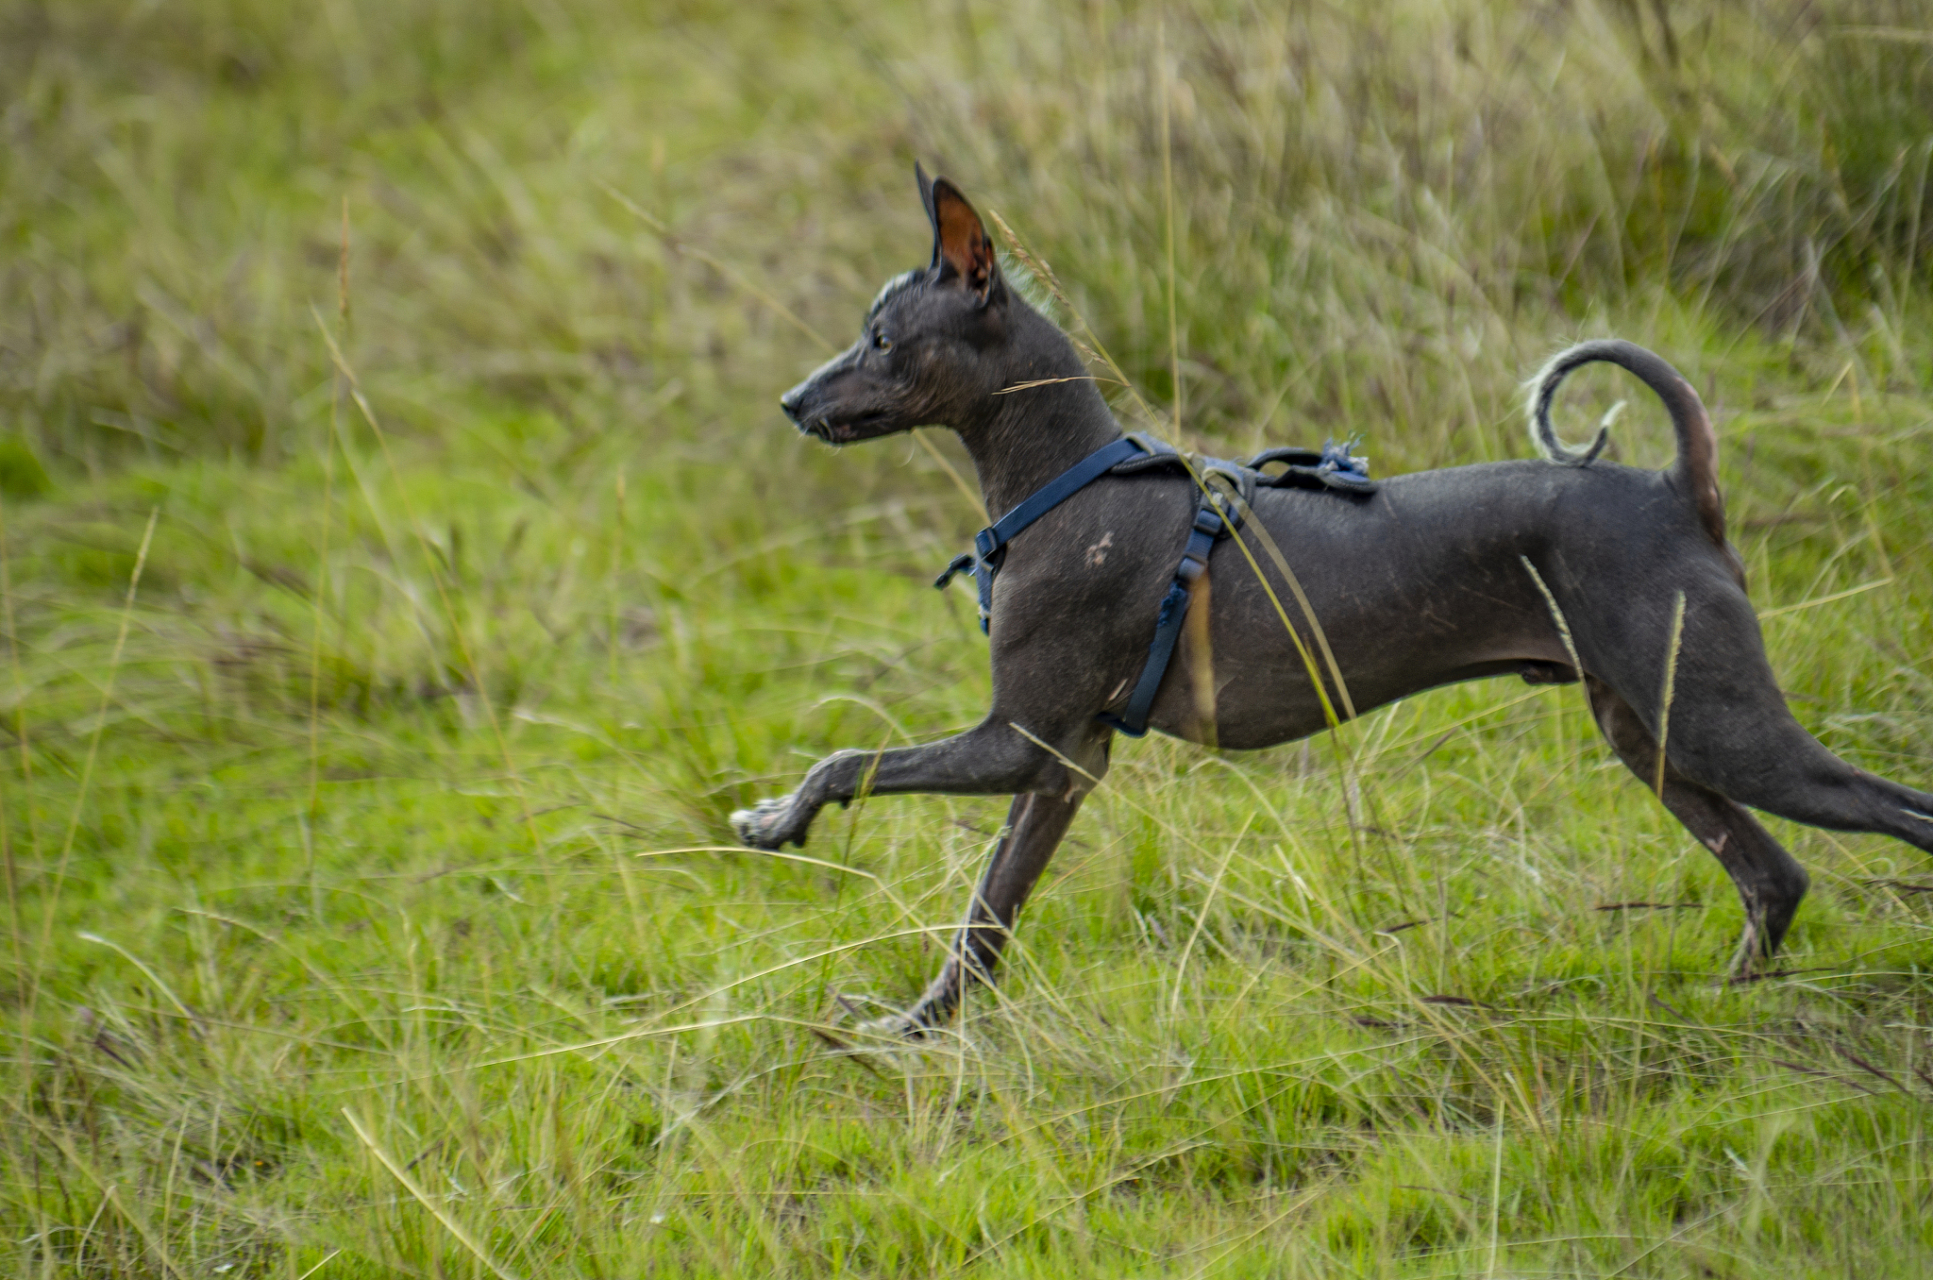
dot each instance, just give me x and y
(1383, 214)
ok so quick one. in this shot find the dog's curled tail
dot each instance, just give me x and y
(1697, 466)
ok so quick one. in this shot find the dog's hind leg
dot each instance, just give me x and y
(1035, 826)
(1729, 730)
(1770, 881)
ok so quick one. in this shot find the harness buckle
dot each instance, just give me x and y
(962, 563)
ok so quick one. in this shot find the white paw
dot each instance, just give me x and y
(762, 825)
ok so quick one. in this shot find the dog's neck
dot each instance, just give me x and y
(1024, 438)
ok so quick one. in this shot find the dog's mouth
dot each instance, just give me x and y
(842, 431)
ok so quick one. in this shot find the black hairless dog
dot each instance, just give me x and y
(1535, 568)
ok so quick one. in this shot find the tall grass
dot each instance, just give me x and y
(1373, 200)
(367, 904)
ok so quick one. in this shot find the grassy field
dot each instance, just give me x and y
(404, 569)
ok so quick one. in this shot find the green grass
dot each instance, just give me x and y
(369, 905)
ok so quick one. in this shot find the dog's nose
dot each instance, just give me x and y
(792, 400)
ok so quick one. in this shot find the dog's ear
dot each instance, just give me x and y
(962, 249)
(926, 203)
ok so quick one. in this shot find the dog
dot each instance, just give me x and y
(1560, 569)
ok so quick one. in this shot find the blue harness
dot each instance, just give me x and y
(1224, 491)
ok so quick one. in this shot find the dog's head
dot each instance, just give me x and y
(929, 353)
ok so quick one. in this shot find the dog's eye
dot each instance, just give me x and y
(881, 342)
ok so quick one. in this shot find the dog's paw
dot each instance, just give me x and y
(896, 1039)
(922, 1024)
(898, 1028)
(767, 825)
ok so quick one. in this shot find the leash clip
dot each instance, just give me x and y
(962, 563)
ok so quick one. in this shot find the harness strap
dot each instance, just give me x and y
(1133, 719)
(1058, 490)
(990, 544)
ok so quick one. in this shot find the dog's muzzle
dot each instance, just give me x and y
(808, 418)
(793, 403)
(811, 414)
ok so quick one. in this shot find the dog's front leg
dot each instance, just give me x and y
(993, 758)
(1035, 826)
